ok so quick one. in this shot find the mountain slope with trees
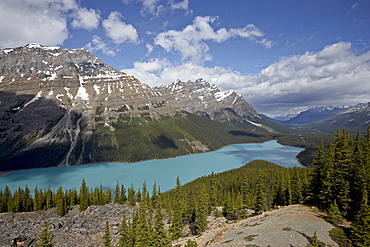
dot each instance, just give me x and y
(338, 184)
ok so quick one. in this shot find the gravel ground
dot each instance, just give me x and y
(291, 226)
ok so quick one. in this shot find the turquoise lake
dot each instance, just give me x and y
(164, 172)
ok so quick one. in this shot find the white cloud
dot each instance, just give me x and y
(152, 7)
(191, 41)
(181, 5)
(86, 19)
(332, 76)
(98, 44)
(119, 31)
(26, 21)
(336, 75)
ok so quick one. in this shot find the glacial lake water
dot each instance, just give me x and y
(164, 172)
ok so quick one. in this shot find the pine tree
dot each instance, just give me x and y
(27, 200)
(333, 214)
(361, 227)
(131, 195)
(229, 208)
(212, 190)
(107, 198)
(127, 238)
(160, 235)
(60, 202)
(7, 195)
(245, 193)
(37, 200)
(178, 212)
(107, 237)
(296, 186)
(360, 180)
(143, 234)
(84, 196)
(201, 212)
(342, 169)
(49, 198)
(123, 197)
(117, 192)
(46, 236)
(319, 162)
(327, 186)
(239, 206)
(191, 243)
(259, 204)
(315, 241)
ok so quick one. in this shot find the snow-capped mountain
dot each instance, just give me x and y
(84, 111)
(356, 117)
(205, 99)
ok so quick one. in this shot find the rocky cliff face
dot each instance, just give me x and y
(205, 99)
(64, 106)
(49, 95)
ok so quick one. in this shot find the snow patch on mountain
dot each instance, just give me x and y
(223, 95)
(38, 96)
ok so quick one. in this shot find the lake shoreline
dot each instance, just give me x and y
(5, 173)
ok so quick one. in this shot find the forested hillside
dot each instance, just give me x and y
(338, 184)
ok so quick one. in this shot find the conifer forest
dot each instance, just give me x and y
(338, 184)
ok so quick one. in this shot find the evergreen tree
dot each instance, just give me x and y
(7, 195)
(315, 241)
(333, 214)
(107, 237)
(143, 233)
(46, 236)
(49, 198)
(123, 197)
(326, 187)
(37, 200)
(107, 196)
(178, 212)
(239, 206)
(160, 235)
(229, 208)
(84, 196)
(288, 197)
(296, 187)
(138, 196)
(245, 190)
(127, 238)
(102, 196)
(279, 192)
(117, 194)
(73, 197)
(212, 190)
(60, 202)
(201, 212)
(259, 204)
(343, 168)
(191, 243)
(123, 232)
(360, 179)
(131, 195)
(27, 200)
(361, 227)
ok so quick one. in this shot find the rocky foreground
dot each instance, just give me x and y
(288, 226)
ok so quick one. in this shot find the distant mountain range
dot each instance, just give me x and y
(329, 119)
(62, 107)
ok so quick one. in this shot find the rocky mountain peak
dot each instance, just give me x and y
(64, 98)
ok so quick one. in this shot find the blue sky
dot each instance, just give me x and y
(282, 56)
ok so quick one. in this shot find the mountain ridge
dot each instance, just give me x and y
(328, 119)
(68, 107)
